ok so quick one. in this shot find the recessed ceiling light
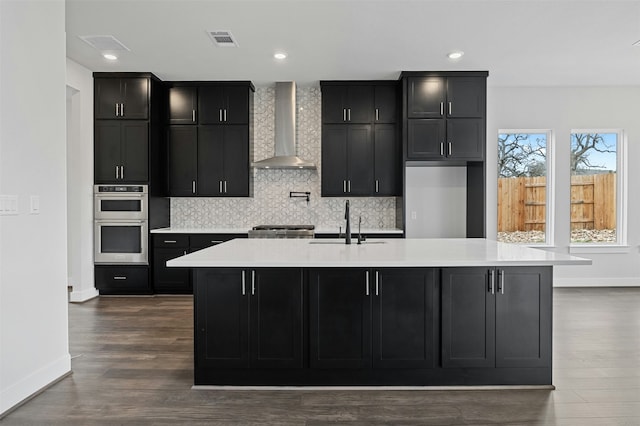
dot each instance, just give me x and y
(280, 55)
(455, 55)
(110, 56)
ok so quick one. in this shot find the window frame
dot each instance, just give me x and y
(550, 188)
(620, 245)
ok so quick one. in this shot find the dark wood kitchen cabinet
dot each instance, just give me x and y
(122, 279)
(224, 104)
(361, 149)
(183, 105)
(446, 115)
(121, 98)
(496, 317)
(121, 151)
(249, 318)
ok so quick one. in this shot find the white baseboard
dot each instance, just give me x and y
(33, 384)
(84, 295)
(597, 282)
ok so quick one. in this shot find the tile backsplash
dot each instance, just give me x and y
(271, 203)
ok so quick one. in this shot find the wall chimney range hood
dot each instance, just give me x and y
(285, 132)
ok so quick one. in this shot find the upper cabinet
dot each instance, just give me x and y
(121, 98)
(183, 105)
(361, 148)
(223, 104)
(446, 115)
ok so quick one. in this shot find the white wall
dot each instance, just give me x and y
(562, 109)
(33, 294)
(80, 181)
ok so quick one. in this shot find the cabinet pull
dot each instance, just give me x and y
(344, 186)
(225, 114)
(492, 281)
(377, 186)
(193, 115)
(348, 114)
(441, 149)
(220, 186)
(119, 278)
(377, 285)
(225, 186)
(253, 282)
(366, 287)
(121, 110)
(449, 108)
(501, 283)
(243, 283)
(170, 241)
(117, 106)
(441, 108)
(193, 186)
(185, 252)
(121, 172)
(220, 111)
(449, 154)
(116, 172)
(377, 114)
(349, 186)
(344, 114)
(216, 241)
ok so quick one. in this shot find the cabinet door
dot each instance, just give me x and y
(360, 104)
(387, 160)
(106, 151)
(183, 160)
(135, 98)
(466, 97)
(211, 105)
(426, 139)
(276, 318)
(333, 104)
(170, 280)
(466, 136)
(236, 161)
(340, 318)
(121, 279)
(385, 107)
(334, 160)
(468, 318)
(523, 317)
(221, 319)
(359, 160)
(106, 96)
(210, 160)
(426, 97)
(135, 152)
(405, 318)
(183, 105)
(236, 105)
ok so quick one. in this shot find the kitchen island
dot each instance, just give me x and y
(398, 312)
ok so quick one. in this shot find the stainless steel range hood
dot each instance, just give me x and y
(285, 130)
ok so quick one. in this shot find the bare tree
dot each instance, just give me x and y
(581, 146)
(519, 157)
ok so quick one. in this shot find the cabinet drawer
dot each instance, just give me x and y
(171, 240)
(200, 241)
(116, 279)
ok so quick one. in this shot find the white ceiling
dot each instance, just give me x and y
(520, 43)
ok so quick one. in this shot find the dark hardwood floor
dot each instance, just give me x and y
(132, 364)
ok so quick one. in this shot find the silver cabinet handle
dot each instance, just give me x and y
(366, 287)
(225, 114)
(449, 149)
(120, 278)
(377, 285)
(449, 108)
(225, 186)
(121, 172)
(492, 279)
(243, 283)
(344, 186)
(117, 112)
(217, 241)
(116, 172)
(170, 241)
(220, 110)
(349, 186)
(344, 114)
(349, 114)
(253, 282)
(121, 110)
(377, 114)
(193, 186)
(185, 252)
(220, 185)
(441, 149)
(377, 185)
(193, 115)
(501, 285)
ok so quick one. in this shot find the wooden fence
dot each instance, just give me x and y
(522, 203)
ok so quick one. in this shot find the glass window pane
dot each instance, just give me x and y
(522, 187)
(593, 187)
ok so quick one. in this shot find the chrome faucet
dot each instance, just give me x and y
(347, 236)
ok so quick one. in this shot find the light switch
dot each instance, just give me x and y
(8, 205)
(35, 204)
(414, 215)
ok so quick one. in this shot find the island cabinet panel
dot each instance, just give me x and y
(405, 318)
(340, 318)
(496, 317)
(249, 318)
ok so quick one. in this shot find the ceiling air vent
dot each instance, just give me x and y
(223, 38)
(104, 42)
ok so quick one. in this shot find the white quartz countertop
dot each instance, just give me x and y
(320, 230)
(255, 253)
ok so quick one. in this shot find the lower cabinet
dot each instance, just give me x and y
(496, 317)
(122, 279)
(381, 318)
(249, 318)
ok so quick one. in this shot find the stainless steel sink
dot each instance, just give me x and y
(354, 242)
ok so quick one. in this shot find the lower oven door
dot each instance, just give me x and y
(121, 242)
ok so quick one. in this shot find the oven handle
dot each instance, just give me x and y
(118, 221)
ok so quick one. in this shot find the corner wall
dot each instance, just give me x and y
(33, 289)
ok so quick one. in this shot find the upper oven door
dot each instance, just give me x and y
(121, 205)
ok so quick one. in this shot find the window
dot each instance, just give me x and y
(597, 187)
(524, 186)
